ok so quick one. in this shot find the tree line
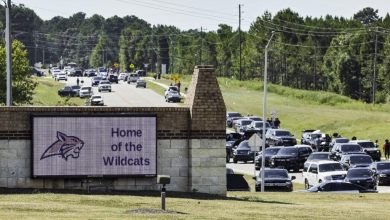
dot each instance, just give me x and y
(349, 56)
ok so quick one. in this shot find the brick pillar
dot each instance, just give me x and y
(207, 163)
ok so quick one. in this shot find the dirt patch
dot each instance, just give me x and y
(153, 211)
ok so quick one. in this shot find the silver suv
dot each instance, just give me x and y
(104, 85)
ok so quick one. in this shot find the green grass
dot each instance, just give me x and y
(45, 94)
(238, 205)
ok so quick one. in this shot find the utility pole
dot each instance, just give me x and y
(239, 31)
(43, 55)
(9, 52)
(201, 45)
(374, 78)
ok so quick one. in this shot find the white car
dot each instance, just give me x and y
(96, 100)
(315, 172)
(61, 76)
(85, 91)
(104, 85)
(122, 76)
(170, 88)
(55, 72)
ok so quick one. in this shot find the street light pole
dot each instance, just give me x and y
(264, 111)
(8, 51)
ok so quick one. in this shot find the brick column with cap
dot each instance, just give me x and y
(207, 163)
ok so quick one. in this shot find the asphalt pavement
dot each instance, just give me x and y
(126, 95)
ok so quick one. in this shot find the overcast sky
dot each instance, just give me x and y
(192, 14)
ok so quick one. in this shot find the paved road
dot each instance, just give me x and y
(248, 169)
(125, 95)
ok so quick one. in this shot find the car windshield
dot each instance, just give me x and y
(341, 140)
(383, 166)
(360, 159)
(359, 173)
(96, 97)
(320, 156)
(367, 144)
(350, 148)
(104, 82)
(244, 144)
(282, 133)
(97, 78)
(275, 174)
(328, 167)
(288, 151)
(234, 114)
(246, 122)
(260, 124)
(271, 151)
(86, 88)
(102, 69)
(75, 87)
(315, 136)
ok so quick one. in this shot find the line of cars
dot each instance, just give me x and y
(345, 166)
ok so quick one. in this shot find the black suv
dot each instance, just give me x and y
(243, 153)
(340, 149)
(280, 137)
(96, 80)
(355, 160)
(291, 158)
(269, 152)
(369, 148)
(113, 79)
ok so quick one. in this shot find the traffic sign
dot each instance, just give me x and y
(255, 142)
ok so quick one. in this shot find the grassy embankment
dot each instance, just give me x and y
(299, 110)
(46, 94)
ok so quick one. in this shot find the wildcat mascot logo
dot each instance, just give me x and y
(65, 146)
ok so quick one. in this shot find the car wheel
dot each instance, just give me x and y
(235, 160)
(109, 90)
(245, 161)
(99, 90)
(307, 184)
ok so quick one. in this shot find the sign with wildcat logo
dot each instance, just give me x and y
(81, 146)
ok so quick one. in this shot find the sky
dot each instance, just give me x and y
(194, 14)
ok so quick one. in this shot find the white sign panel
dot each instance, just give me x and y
(78, 146)
(255, 142)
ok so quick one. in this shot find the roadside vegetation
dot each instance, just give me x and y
(46, 94)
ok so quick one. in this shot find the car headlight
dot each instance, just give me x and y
(382, 175)
(328, 178)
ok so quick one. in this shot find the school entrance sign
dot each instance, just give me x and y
(94, 146)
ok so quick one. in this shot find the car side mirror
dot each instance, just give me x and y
(293, 177)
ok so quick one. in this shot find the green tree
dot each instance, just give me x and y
(22, 84)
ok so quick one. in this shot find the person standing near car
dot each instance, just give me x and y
(386, 149)
(78, 81)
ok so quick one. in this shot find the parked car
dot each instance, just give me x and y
(318, 156)
(315, 139)
(382, 172)
(253, 118)
(242, 125)
(122, 76)
(340, 149)
(96, 100)
(370, 149)
(140, 83)
(243, 153)
(340, 187)
(169, 89)
(362, 176)
(61, 76)
(141, 72)
(103, 72)
(104, 85)
(274, 180)
(133, 77)
(75, 72)
(315, 172)
(355, 160)
(269, 153)
(258, 126)
(76, 90)
(340, 140)
(291, 158)
(306, 136)
(173, 96)
(85, 91)
(66, 91)
(280, 137)
(89, 72)
(230, 116)
(229, 150)
(55, 72)
(113, 78)
(96, 80)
